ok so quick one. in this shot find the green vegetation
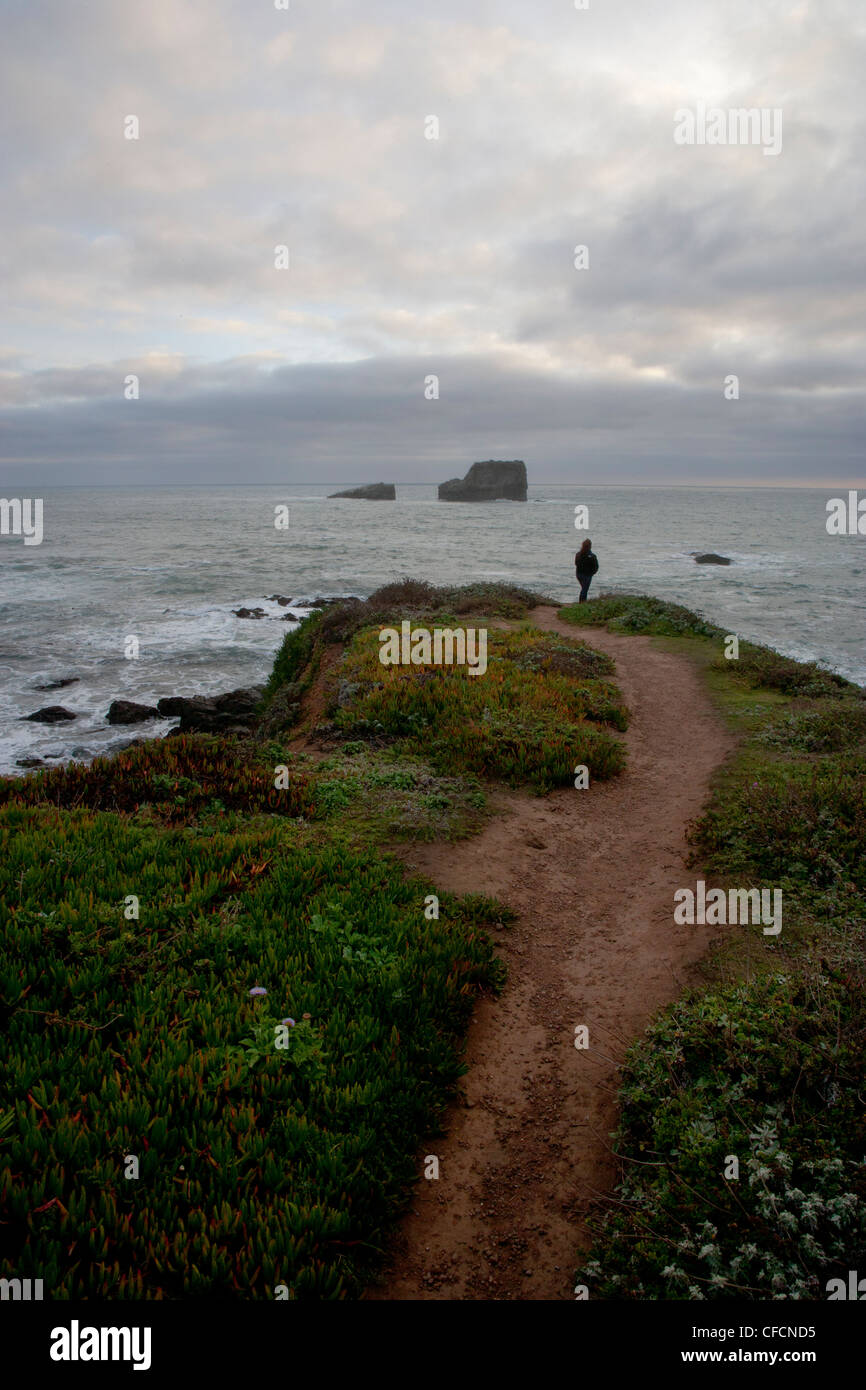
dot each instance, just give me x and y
(524, 722)
(180, 776)
(380, 795)
(144, 899)
(639, 613)
(770, 1065)
(768, 1071)
(259, 1165)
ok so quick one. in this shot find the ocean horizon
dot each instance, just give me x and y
(169, 564)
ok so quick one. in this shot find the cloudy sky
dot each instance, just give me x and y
(411, 257)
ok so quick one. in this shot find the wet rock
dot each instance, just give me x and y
(58, 684)
(278, 598)
(232, 712)
(172, 705)
(128, 712)
(50, 714)
(29, 762)
(327, 602)
(249, 612)
(711, 559)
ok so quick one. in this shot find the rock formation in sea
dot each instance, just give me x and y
(370, 492)
(231, 712)
(490, 481)
(711, 559)
(128, 712)
(58, 684)
(50, 714)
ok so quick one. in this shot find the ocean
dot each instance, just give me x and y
(168, 565)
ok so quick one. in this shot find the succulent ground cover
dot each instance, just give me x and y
(230, 1018)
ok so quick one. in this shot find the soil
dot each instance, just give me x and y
(591, 874)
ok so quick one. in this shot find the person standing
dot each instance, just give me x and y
(586, 565)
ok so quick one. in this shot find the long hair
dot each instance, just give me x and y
(586, 547)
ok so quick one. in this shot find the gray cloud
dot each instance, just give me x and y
(412, 256)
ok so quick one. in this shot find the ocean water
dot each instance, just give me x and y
(168, 565)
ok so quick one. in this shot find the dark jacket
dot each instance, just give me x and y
(585, 564)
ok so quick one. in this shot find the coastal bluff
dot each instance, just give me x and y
(490, 481)
(370, 492)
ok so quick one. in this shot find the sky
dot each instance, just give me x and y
(430, 170)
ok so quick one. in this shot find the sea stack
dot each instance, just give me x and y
(370, 492)
(490, 481)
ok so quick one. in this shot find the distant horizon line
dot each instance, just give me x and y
(585, 483)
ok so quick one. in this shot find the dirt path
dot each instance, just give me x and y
(592, 875)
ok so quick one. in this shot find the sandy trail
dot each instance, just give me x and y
(592, 875)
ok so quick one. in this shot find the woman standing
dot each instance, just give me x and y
(586, 565)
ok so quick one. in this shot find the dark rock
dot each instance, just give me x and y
(58, 685)
(128, 712)
(488, 482)
(51, 714)
(171, 705)
(249, 612)
(711, 559)
(371, 492)
(278, 598)
(29, 762)
(304, 603)
(240, 702)
(231, 712)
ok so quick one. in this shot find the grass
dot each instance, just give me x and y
(766, 1064)
(379, 795)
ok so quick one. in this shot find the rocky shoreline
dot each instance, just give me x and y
(232, 712)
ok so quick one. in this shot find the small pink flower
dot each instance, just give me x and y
(257, 991)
